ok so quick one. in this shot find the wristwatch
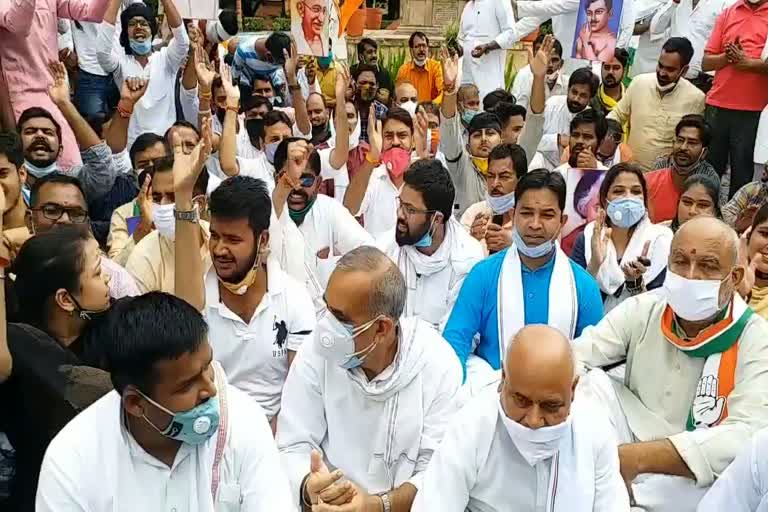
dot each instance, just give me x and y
(189, 216)
(387, 505)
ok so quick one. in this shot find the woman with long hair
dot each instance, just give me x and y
(699, 197)
(56, 291)
(621, 248)
(757, 254)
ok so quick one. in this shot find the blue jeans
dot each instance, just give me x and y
(94, 94)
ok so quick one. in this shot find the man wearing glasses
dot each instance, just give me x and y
(329, 230)
(55, 200)
(312, 14)
(432, 250)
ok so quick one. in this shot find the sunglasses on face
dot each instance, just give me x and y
(307, 180)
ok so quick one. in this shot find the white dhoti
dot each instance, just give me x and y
(653, 492)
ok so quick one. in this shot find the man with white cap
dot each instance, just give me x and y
(528, 431)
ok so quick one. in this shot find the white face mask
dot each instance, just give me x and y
(665, 88)
(410, 107)
(336, 341)
(164, 219)
(420, 62)
(692, 299)
(535, 445)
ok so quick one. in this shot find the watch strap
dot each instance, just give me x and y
(188, 215)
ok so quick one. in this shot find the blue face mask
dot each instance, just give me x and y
(501, 204)
(324, 62)
(40, 172)
(468, 115)
(426, 240)
(269, 151)
(625, 212)
(194, 426)
(537, 251)
(140, 47)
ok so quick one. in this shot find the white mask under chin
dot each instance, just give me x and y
(535, 445)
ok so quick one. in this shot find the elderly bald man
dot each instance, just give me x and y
(527, 444)
(373, 391)
(696, 383)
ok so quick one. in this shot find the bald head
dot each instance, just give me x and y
(405, 91)
(539, 377)
(710, 232)
(376, 278)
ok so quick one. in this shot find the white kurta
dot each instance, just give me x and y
(95, 465)
(325, 409)
(328, 225)
(484, 21)
(557, 121)
(479, 469)
(434, 282)
(521, 87)
(379, 206)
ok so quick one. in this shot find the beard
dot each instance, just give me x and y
(610, 81)
(573, 107)
(408, 238)
(241, 271)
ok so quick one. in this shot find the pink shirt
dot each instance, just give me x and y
(750, 26)
(28, 31)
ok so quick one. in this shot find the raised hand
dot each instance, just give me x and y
(205, 76)
(479, 226)
(342, 81)
(59, 89)
(233, 92)
(133, 89)
(599, 243)
(586, 160)
(374, 134)
(296, 164)
(291, 63)
(497, 238)
(450, 70)
(421, 126)
(540, 61)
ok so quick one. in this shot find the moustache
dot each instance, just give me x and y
(40, 144)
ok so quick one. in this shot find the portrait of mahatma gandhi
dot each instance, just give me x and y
(311, 36)
(595, 40)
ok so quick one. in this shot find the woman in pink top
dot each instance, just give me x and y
(29, 34)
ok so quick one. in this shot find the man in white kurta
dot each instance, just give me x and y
(374, 391)
(174, 435)
(527, 444)
(329, 230)
(431, 249)
(696, 380)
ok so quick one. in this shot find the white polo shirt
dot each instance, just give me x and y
(255, 354)
(379, 206)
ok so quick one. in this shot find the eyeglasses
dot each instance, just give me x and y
(410, 210)
(316, 9)
(52, 211)
(138, 23)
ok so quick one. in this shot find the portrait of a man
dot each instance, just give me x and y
(596, 39)
(309, 25)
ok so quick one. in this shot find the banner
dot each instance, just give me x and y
(198, 9)
(597, 27)
(310, 27)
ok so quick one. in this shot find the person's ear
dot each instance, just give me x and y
(300, 8)
(64, 300)
(563, 220)
(133, 402)
(22, 174)
(684, 71)
(573, 388)
(737, 275)
(28, 222)
(704, 152)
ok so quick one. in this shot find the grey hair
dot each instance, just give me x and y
(387, 294)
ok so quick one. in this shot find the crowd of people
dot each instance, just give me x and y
(240, 278)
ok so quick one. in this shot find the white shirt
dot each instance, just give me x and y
(557, 121)
(156, 111)
(112, 472)
(684, 20)
(743, 486)
(258, 168)
(521, 87)
(340, 176)
(324, 408)
(434, 286)
(255, 354)
(86, 41)
(478, 468)
(329, 225)
(379, 206)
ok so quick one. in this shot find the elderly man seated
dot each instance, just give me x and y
(374, 392)
(696, 382)
(528, 445)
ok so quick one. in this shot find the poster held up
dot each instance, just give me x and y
(198, 9)
(597, 28)
(310, 27)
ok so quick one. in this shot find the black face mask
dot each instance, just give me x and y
(320, 134)
(90, 315)
(255, 129)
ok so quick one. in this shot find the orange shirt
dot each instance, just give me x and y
(428, 80)
(663, 196)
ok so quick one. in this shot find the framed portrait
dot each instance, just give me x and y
(310, 27)
(597, 28)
